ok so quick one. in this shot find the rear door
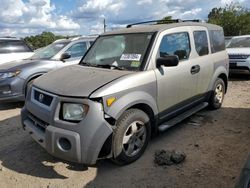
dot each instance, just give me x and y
(176, 85)
(202, 58)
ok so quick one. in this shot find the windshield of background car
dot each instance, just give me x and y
(124, 51)
(49, 51)
(242, 42)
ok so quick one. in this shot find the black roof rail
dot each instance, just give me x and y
(163, 22)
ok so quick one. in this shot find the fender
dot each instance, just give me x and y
(31, 77)
(129, 100)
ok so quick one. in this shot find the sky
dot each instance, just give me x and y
(22, 18)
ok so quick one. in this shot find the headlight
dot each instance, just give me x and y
(9, 74)
(74, 112)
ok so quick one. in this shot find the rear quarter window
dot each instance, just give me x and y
(217, 40)
(13, 46)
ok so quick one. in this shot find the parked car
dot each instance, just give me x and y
(16, 76)
(12, 49)
(131, 84)
(228, 39)
(239, 54)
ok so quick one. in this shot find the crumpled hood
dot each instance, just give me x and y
(19, 65)
(238, 50)
(77, 80)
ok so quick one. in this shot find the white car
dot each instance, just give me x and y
(238, 50)
(12, 49)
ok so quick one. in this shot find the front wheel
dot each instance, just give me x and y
(131, 136)
(218, 94)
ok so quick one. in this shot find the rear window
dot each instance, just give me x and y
(13, 46)
(217, 40)
(201, 43)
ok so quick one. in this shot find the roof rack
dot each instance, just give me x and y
(162, 22)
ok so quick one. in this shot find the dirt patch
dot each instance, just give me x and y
(166, 157)
(216, 144)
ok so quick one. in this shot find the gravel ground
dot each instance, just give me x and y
(216, 144)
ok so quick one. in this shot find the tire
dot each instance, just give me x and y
(131, 136)
(218, 93)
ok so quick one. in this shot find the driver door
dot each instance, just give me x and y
(176, 85)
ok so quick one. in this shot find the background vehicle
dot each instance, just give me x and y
(239, 53)
(132, 83)
(228, 39)
(16, 76)
(12, 49)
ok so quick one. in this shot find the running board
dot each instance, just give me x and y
(166, 125)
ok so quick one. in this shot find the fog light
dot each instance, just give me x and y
(64, 144)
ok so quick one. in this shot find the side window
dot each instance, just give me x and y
(201, 42)
(217, 40)
(77, 50)
(13, 46)
(175, 44)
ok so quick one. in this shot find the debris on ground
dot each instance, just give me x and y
(167, 158)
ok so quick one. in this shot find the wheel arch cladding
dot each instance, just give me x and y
(225, 79)
(220, 72)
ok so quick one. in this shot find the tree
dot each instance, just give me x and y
(44, 39)
(165, 20)
(234, 19)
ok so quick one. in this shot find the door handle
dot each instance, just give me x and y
(195, 69)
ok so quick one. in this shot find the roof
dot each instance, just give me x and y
(161, 27)
(87, 38)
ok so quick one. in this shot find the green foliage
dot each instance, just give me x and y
(165, 20)
(234, 19)
(42, 40)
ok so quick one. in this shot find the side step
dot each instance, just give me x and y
(181, 117)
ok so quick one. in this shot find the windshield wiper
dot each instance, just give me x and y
(111, 66)
(102, 66)
(88, 64)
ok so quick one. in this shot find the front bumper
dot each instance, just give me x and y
(81, 142)
(236, 65)
(12, 89)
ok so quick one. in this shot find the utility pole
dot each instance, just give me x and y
(104, 25)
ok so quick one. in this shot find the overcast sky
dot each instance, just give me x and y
(72, 17)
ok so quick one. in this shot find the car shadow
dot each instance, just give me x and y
(239, 76)
(10, 105)
(20, 153)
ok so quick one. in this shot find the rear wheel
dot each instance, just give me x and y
(131, 136)
(218, 94)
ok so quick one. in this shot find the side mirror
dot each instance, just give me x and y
(65, 56)
(168, 61)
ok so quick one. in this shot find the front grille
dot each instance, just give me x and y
(238, 56)
(43, 98)
(40, 124)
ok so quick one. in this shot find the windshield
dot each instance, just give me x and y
(124, 51)
(242, 42)
(49, 51)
